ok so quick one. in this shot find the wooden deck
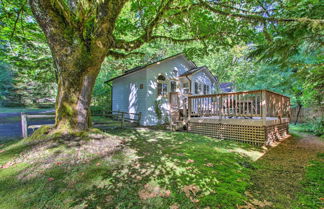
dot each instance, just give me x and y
(258, 117)
(253, 121)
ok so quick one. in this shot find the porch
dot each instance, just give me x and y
(258, 117)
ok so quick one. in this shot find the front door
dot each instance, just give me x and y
(174, 106)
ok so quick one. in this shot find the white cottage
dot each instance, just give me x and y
(160, 90)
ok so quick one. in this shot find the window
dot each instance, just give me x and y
(173, 86)
(206, 89)
(141, 86)
(175, 72)
(196, 88)
(162, 87)
(185, 87)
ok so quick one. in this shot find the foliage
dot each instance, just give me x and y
(188, 170)
(313, 185)
(315, 126)
(24, 50)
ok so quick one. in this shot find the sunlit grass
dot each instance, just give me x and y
(21, 109)
(154, 169)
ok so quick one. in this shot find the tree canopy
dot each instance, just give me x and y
(68, 40)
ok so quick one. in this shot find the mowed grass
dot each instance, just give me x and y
(312, 194)
(21, 109)
(128, 168)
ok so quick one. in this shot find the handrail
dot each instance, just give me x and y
(257, 103)
(238, 92)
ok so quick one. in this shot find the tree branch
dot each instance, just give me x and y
(148, 31)
(118, 55)
(257, 17)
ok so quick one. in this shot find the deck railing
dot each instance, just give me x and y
(259, 103)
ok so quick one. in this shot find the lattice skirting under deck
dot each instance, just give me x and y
(258, 135)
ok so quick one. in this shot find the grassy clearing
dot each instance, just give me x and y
(312, 194)
(311, 128)
(132, 168)
(290, 175)
(21, 109)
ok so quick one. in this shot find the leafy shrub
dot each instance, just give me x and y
(317, 126)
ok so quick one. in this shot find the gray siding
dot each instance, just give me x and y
(181, 65)
(127, 95)
(201, 77)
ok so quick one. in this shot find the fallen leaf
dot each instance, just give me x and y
(209, 165)
(190, 161)
(174, 206)
(7, 165)
(191, 192)
(50, 179)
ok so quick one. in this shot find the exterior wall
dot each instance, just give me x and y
(179, 64)
(127, 95)
(203, 78)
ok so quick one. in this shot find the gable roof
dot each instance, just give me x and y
(197, 69)
(191, 71)
(138, 68)
(227, 87)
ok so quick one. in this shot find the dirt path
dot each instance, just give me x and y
(280, 171)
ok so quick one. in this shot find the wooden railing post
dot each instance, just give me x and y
(264, 106)
(122, 120)
(189, 108)
(24, 125)
(221, 107)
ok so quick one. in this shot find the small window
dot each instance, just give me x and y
(175, 72)
(206, 89)
(196, 88)
(162, 87)
(173, 86)
(161, 78)
(141, 86)
(185, 87)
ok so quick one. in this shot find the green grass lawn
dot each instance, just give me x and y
(312, 195)
(21, 109)
(129, 168)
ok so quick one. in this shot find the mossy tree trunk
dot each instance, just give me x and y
(79, 45)
(77, 75)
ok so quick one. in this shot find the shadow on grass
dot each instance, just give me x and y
(154, 169)
(173, 162)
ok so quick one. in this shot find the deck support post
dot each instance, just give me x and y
(122, 120)
(189, 108)
(264, 106)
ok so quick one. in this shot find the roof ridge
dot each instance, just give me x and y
(140, 67)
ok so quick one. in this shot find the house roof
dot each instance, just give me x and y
(138, 68)
(191, 71)
(227, 87)
(197, 69)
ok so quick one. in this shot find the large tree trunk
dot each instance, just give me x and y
(78, 71)
(73, 100)
(79, 42)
